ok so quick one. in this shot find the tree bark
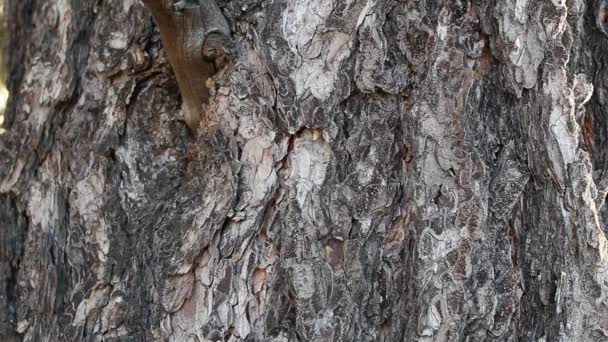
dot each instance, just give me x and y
(377, 170)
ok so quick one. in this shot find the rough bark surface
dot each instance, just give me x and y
(367, 170)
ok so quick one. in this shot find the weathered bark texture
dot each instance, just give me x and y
(366, 170)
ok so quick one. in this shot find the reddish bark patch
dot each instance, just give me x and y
(587, 130)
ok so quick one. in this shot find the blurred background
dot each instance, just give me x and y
(3, 90)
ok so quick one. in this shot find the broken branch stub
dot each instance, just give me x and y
(194, 34)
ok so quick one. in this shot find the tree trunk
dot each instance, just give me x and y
(415, 170)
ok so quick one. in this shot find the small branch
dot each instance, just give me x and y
(195, 35)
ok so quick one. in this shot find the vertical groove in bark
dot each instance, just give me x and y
(371, 170)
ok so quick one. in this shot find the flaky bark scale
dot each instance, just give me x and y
(366, 171)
